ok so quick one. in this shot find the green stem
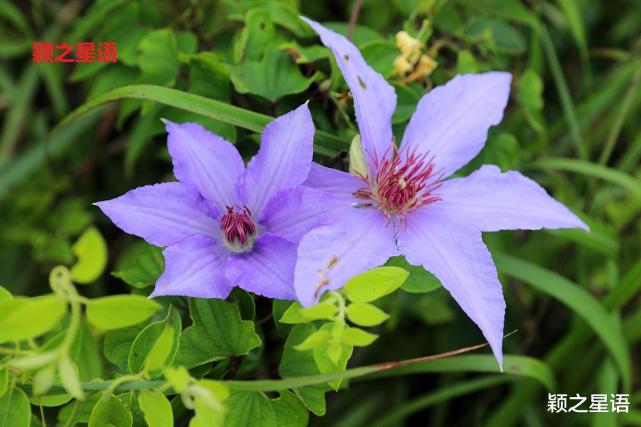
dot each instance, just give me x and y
(125, 383)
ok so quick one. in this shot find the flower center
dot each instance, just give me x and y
(402, 184)
(238, 228)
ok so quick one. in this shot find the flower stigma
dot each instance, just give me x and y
(238, 228)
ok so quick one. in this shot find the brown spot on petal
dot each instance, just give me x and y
(361, 82)
(332, 262)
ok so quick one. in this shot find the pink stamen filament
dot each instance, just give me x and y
(237, 225)
(402, 184)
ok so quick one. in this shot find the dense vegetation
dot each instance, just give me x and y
(81, 343)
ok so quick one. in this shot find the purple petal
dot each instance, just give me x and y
(493, 201)
(456, 255)
(330, 255)
(205, 162)
(162, 214)
(294, 211)
(341, 184)
(283, 159)
(194, 267)
(267, 270)
(374, 98)
(451, 121)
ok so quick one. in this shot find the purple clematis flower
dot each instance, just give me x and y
(224, 224)
(401, 204)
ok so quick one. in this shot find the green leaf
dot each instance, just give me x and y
(327, 144)
(504, 38)
(579, 300)
(120, 311)
(380, 55)
(466, 63)
(156, 345)
(273, 77)
(5, 294)
(158, 57)
(572, 11)
(364, 314)
(530, 90)
(23, 318)
(249, 409)
(613, 176)
(179, 378)
(69, 377)
(117, 345)
(317, 339)
(157, 409)
(15, 410)
(419, 280)
(290, 411)
(217, 331)
(320, 311)
(374, 284)
(110, 411)
(143, 269)
(296, 363)
(4, 381)
(357, 337)
(292, 314)
(91, 251)
(333, 357)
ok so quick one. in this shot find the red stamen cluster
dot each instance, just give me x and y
(402, 184)
(237, 226)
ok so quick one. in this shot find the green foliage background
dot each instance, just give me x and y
(572, 123)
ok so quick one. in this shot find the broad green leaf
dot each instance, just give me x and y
(364, 314)
(419, 280)
(158, 57)
(110, 411)
(273, 77)
(156, 345)
(380, 55)
(91, 251)
(157, 409)
(287, 16)
(357, 337)
(259, 31)
(15, 410)
(81, 411)
(576, 298)
(117, 345)
(249, 409)
(290, 411)
(69, 378)
(328, 144)
(119, 311)
(406, 103)
(374, 284)
(23, 318)
(217, 331)
(296, 363)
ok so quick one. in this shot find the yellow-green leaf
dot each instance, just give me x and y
(375, 283)
(156, 409)
(24, 318)
(120, 311)
(91, 251)
(364, 314)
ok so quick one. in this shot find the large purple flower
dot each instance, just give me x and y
(224, 224)
(400, 203)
